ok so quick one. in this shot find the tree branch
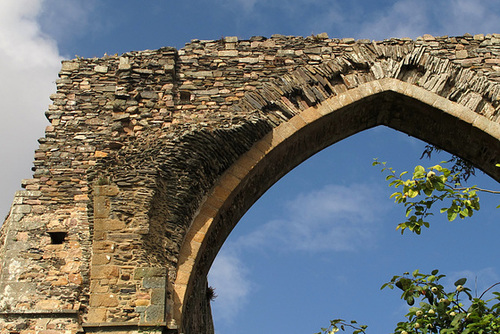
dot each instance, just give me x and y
(488, 289)
(479, 189)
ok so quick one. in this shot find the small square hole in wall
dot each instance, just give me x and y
(57, 237)
(185, 96)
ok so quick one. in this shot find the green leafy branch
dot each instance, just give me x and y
(438, 311)
(458, 165)
(428, 186)
(443, 312)
(337, 325)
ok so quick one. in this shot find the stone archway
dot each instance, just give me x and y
(151, 157)
(389, 102)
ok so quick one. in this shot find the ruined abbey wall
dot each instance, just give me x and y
(137, 143)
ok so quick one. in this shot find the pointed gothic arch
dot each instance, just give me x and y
(390, 102)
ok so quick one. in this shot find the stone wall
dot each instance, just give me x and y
(137, 142)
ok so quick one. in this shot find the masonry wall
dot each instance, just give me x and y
(136, 141)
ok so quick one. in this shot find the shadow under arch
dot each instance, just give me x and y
(391, 102)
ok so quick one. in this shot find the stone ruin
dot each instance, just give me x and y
(150, 158)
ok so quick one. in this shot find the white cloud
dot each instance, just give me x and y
(229, 277)
(403, 18)
(247, 6)
(334, 218)
(29, 63)
(21, 42)
(294, 9)
(471, 16)
(66, 20)
(407, 18)
(412, 18)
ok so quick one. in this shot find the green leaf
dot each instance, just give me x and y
(437, 167)
(403, 283)
(419, 169)
(439, 185)
(412, 193)
(460, 281)
(451, 215)
(395, 194)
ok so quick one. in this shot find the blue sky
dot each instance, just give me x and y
(307, 251)
(294, 263)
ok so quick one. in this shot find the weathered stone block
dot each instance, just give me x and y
(230, 39)
(49, 304)
(96, 315)
(158, 296)
(96, 287)
(21, 209)
(142, 302)
(70, 66)
(154, 282)
(461, 54)
(347, 40)
(81, 198)
(71, 267)
(155, 313)
(101, 207)
(149, 272)
(100, 154)
(249, 60)
(104, 300)
(105, 271)
(228, 53)
(75, 278)
(108, 225)
(106, 190)
(101, 69)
